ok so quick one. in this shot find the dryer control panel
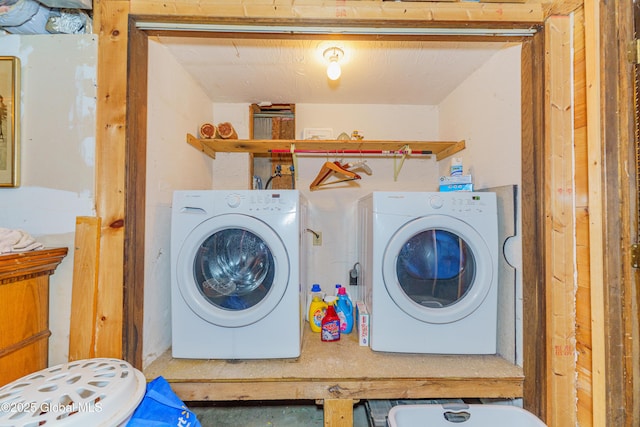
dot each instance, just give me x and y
(462, 202)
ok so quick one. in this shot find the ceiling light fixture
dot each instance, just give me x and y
(333, 55)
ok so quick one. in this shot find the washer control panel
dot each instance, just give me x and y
(261, 201)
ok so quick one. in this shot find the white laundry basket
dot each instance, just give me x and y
(461, 415)
(93, 392)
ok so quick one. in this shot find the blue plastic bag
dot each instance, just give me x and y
(160, 407)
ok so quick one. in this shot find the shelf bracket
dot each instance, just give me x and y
(406, 151)
(198, 145)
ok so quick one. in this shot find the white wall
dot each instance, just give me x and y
(57, 128)
(176, 106)
(485, 110)
(232, 171)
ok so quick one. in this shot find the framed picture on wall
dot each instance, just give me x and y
(9, 121)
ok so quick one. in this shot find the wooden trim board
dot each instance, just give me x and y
(533, 239)
(84, 294)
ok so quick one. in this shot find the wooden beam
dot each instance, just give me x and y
(135, 208)
(596, 214)
(619, 191)
(561, 7)
(533, 200)
(583, 299)
(111, 19)
(338, 13)
(560, 226)
(206, 389)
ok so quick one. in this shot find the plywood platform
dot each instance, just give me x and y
(340, 370)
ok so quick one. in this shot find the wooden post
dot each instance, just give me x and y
(559, 228)
(338, 412)
(596, 214)
(111, 21)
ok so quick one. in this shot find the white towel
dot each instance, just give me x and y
(17, 241)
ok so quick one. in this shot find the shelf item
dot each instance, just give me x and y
(226, 131)
(440, 149)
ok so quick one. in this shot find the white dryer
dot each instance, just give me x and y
(429, 271)
(236, 274)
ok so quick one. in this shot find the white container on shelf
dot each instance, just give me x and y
(461, 415)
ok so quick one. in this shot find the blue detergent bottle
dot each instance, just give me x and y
(344, 308)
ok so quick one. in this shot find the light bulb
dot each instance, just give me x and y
(333, 55)
(333, 70)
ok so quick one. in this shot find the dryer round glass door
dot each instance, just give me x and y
(232, 270)
(437, 269)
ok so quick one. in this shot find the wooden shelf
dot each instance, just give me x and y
(441, 149)
(340, 370)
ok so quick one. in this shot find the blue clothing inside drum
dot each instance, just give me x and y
(432, 254)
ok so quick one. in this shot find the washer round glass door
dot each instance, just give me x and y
(437, 269)
(232, 270)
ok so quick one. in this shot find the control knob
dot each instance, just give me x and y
(233, 200)
(436, 202)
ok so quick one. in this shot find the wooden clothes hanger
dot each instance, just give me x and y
(332, 168)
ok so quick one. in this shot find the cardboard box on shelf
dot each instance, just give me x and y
(456, 183)
(362, 325)
(456, 187)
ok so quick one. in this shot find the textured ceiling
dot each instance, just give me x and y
(294, 71)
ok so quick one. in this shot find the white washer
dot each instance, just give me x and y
(236, 274)
(429, 271)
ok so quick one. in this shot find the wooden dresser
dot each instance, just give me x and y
(24, 311)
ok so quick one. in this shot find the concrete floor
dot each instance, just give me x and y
(267, 414)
